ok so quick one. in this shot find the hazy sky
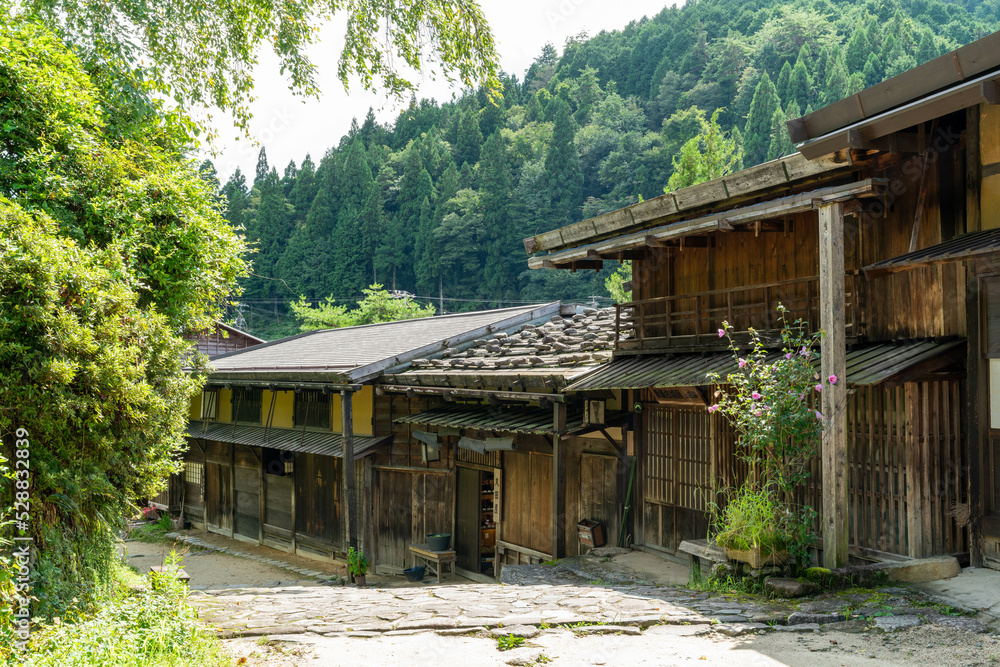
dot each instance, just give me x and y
(289, 126)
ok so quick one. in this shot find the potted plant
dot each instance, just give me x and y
(751, 527)
(358, 565)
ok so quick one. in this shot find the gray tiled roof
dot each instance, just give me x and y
(349, 350)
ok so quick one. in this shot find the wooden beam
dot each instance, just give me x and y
(558, 481)
(918, 213)
(347, 438)
(834, 362)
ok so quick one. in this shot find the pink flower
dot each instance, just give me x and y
(742, 363)
(758, 413)
(819, 415)
(802, 397)
(832, 379)
(819, 387)
(722, 332)
(788, 356)
(712, 408)
(755, 396)
(803, 351)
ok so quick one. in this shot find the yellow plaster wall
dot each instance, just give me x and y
(225, 411)
(284, 409)
(195, 411)
(364, 411)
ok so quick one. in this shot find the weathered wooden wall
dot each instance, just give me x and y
(527, 501)
(408, 505)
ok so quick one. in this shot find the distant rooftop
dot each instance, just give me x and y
(357, 353)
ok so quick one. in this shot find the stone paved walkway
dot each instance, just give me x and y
(369, 611)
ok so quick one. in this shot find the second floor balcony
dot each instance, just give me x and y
(692, 321)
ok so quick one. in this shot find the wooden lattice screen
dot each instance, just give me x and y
(908, 485)
(678, 456)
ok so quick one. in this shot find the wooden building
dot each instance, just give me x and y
(222, 339)
(881, 231)
(282, 440)
(488, 446)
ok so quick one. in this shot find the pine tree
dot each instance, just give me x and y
(586, 95)
(800, 83)
(359, 206)
(535, 113)
(262, 168)
(836, 82)
(563, 175)
(425, 261)
(397, 252)
(500, 266)
(304, 189)
(237, 198)
(288, 180)
(927, 49)
(757, 133)
(270, 229)
(857, 51)
(784, 78)
(469, 140)
(872, 71)
(781, 143)
(855, 83)
(307, 265)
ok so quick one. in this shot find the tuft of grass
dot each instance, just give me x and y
(153, 532)
(153, 626)
(507, 642)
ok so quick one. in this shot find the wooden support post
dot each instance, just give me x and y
(914, 465)
(232, 490)
(974, 426)
(558, 481)
(261, 496)
(347, 437)
(834, 362)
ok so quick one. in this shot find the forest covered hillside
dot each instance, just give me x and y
(436, 204)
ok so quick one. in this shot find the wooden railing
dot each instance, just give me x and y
(693, 320)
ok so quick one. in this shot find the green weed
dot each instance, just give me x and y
(507, 642)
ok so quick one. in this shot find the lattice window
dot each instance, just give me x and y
(312, 408)
(247, 404)
(194, 472)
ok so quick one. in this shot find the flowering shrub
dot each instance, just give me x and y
(770, 401)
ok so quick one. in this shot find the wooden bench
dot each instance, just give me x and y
(164, 569)
(438, 558)
(698, 551)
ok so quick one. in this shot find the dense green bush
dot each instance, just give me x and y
(111, 247)
(150, 626)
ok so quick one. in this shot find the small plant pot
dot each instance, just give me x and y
(755, 559)
(415, 573)
(359, 579)
(438, 541)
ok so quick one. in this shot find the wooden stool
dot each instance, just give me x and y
(438, 558)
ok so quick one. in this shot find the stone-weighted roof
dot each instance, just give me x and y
(573, 343)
